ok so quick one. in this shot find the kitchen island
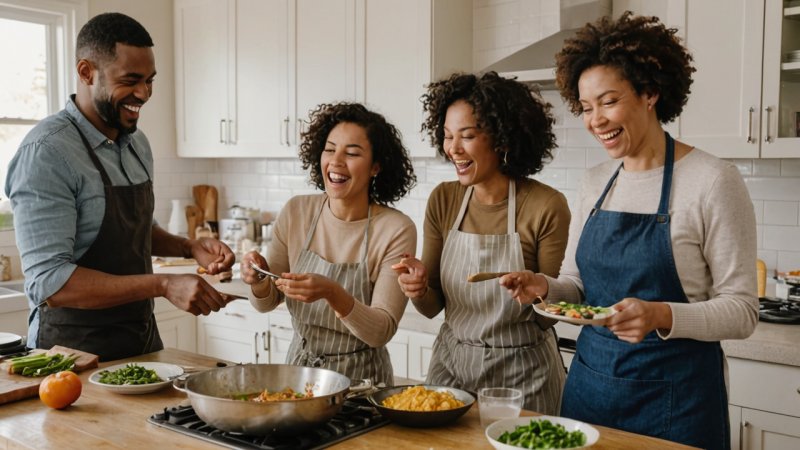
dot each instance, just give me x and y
(100, 418)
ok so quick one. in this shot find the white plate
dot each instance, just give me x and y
(540, 309)
(166, 372)
(494, 430)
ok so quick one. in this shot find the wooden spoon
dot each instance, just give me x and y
(483, 276)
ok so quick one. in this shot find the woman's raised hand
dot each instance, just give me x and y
(249, 275)
(412, 276)
(525, 286)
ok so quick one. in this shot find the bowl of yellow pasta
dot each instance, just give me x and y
(422, 405)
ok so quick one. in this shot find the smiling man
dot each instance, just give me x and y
(82, 192)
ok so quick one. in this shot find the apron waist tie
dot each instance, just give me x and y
(312, 359)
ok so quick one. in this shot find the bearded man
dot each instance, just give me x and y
(81, 186)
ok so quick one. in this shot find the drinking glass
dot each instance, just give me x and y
(496, 403)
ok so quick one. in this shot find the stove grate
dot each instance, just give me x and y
(356, 417)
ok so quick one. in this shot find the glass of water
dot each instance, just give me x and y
(496, 403)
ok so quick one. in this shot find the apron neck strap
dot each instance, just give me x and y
(512, 207)
(364, 244)
(666, 183)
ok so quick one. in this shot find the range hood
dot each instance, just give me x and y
(535, 62)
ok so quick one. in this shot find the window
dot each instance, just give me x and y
(37, 73)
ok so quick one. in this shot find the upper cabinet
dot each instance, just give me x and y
(408, 45)
(249, 71)
(230, 76)
(745, 96)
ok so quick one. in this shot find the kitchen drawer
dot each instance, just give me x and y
(238, 314)
(765, 386)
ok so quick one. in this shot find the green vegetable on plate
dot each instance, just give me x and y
(130, 374)
(543, 434)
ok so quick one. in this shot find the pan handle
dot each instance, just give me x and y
(180, 383)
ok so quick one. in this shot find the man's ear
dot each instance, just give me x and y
(85, 72)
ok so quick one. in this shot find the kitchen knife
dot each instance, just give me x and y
(483, 276)
(231, 297)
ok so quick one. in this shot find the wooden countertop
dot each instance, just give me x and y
(101, 418)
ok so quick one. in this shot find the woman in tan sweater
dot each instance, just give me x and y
(496, 133)
(334, 251)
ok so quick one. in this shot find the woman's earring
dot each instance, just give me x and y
(505, 158)
(374, 181)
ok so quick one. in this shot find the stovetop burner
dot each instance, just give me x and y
(778, 311)
(355, 417)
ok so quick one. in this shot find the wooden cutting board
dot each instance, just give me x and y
(16, 387)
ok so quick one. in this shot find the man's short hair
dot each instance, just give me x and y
(97, 40)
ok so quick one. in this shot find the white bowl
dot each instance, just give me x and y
(494, 430)
(167, 372)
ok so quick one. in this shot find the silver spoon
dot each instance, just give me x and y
(263, 272)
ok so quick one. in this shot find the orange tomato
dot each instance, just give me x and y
(60, 390)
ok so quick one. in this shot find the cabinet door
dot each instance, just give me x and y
(780, 110)
(398, 353)
(735, 420)
(399, 68)
(178, 329)
(280, 336)
(260, 100)
(722, 115)
(230, 344)
(329, 56)
(767, 431)
(420, 351)
(201, 76)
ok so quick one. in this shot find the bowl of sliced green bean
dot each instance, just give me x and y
(136, 378)
(541, 432)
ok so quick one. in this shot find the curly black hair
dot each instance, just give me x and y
(648, 54)
(513, 115)
(396, 176)
(97, 40)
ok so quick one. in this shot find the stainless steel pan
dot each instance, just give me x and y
(211, 393)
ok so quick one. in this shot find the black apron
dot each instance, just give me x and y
(122, 247)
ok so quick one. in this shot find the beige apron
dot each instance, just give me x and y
(320, 339)
(488, 339)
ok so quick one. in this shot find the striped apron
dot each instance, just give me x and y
(488, 339)
(320, 339)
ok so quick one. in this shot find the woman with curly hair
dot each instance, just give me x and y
(667, 238)
(496, 133)
(334, 250)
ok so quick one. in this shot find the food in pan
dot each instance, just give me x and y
(417, 398)
(277, 396)
(578, 311)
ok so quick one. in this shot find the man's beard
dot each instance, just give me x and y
(110, 114)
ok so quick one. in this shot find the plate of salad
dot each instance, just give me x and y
(136, 378)
(551, 432)
(574, 313)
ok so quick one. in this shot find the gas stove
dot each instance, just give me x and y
(778, 311)
(355, 417)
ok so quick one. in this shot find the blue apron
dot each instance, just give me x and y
(673, 389)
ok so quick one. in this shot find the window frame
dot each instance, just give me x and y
(62, 19)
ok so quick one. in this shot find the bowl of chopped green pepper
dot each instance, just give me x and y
(541, 432)
(136, 378)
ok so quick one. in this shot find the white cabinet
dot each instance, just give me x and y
(248, 71)
(239, 333)
(744, 100)
(408, 45)
(765, 405)
(410, 353)
(231, 60)
(178, 329)
(15, 322)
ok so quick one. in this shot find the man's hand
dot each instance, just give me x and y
(212, 254)
(193, 294)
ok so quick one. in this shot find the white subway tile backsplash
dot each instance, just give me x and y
(788, 261)
(784, 188)
(766, 168)
(781, 238)
(780, 213)
(744, 166)
(758, 208)
(790, 168)
(499, 15)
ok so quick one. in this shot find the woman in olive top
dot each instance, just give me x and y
(334, 251)
(496, 133)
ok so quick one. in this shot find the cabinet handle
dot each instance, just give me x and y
(280, 132)
(768, 139)
(255, 345)
(237, 315)
(743, 425)
(286, 121)
(281, 327)
(221, 137)
(265, 340)
(231, 140)
(750, 139)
